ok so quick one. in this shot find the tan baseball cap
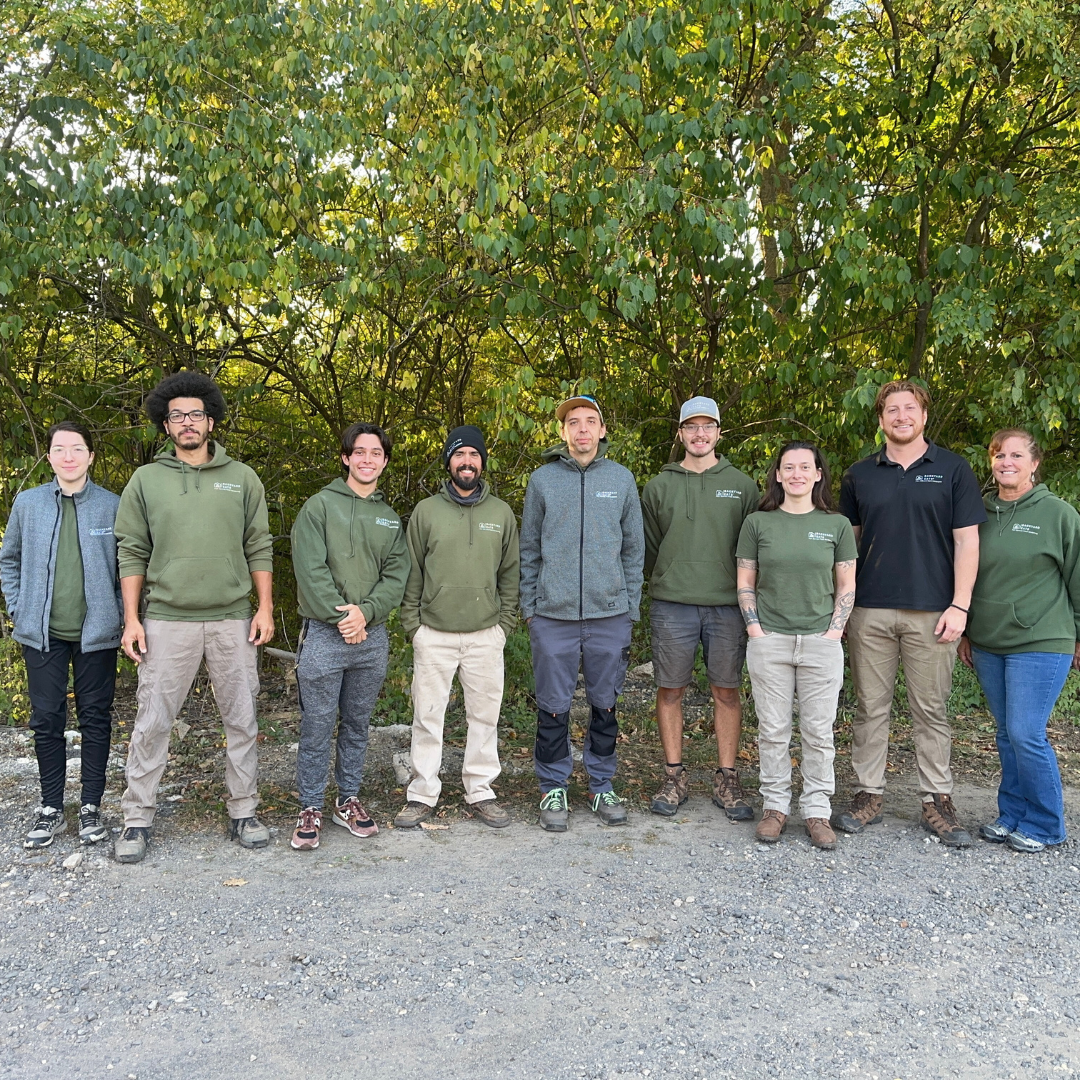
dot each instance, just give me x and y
(580, 401)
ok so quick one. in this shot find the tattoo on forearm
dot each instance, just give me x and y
(748, 606)
(842, 610)
(847, 564)
(746, 564)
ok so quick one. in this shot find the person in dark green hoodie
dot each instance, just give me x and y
(1022, 636)
(351, 565)
(692, 513)
(192, 527)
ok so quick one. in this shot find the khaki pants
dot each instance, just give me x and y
(878, 640)
(477, 660)
(782, 666)
(174, 651)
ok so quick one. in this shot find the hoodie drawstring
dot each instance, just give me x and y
(352, 537)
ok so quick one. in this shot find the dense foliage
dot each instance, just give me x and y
(425, 213)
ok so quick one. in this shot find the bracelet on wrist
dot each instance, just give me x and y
(959, 608)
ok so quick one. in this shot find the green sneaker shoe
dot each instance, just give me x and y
(554, 813)
(608, 807)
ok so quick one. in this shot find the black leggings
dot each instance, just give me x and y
(47, 681)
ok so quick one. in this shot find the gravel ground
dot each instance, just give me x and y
(669, 948)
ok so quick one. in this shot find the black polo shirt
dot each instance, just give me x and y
(907, 517)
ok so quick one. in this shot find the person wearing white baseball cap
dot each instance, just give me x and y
(693, 511)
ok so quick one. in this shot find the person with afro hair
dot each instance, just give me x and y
(192, 528)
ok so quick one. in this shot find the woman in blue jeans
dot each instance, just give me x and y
(1022, 636)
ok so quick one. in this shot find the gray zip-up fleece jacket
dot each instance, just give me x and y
(28, 564)
(582, 544)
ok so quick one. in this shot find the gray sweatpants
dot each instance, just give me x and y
(334, 676)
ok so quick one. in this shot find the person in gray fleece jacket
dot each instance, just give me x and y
(58, 572)
(582, 558)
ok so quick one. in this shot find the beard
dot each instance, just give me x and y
(904, 440)
(192, 440)
(467, 481)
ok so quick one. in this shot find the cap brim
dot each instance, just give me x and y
(576, 403)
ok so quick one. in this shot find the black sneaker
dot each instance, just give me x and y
(49, 823)
(91, 831)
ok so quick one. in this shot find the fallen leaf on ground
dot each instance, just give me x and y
(432, 825)
(234, 881)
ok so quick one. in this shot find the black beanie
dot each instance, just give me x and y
(465, 436)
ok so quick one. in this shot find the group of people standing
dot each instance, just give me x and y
(913, 567)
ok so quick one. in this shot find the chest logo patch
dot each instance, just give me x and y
(106, 531)
(607, 494)
(1023, 527)
(827, 537)
(489, 526)
(227, 487)
(725, 493)
(929, 478)
(386, 523)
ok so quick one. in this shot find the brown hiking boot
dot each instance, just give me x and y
(727, 793)
(865, 810)
(939, 817)
(674, 792)
(412, 813)
(770, 826)
(490, 813)
(820, 832)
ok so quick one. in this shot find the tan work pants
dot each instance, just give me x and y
(879, 639)
(477, 660)
(174, 651)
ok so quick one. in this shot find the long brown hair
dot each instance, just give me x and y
(821, 496)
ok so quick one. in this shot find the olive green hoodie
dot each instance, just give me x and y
(348, 550)
(465, 565)
(692, 522)
(1027, 595)
(195, 532)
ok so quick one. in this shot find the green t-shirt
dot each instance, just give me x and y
(795, 555)
(68, 600)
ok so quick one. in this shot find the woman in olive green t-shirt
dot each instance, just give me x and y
(796, 581)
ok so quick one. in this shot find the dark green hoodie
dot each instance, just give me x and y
(195, 532)
(348, 550)
(692, 523)
(465, 562)
(1027, 595)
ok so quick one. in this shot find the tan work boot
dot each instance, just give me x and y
(939, 817)
(770, 826)
(674, 792)
(728, 795)
(865, 810)
(412, 813)
(820, 832)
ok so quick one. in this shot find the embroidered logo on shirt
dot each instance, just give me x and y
(727, 494)
(607, 494)
(929, 478)
(227, 487)
(107, 531)
(820, 536)
(489, 526)
(1022, 527)
(387, 523)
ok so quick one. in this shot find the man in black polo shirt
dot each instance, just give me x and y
(916, 510)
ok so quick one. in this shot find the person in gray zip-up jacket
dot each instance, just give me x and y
(582, 558)
(58, 572)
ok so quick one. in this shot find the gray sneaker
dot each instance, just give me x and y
(250, 831)
(554, 813)
(131, 844)
(609, 808)
(91, 831)
(48, 823)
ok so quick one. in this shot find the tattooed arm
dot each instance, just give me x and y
(845, 597)
(746, 576)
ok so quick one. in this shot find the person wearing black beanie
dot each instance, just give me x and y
(466, 435)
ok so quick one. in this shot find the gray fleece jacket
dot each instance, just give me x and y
(28, 564)
(582, 544)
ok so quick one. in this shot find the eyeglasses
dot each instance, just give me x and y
(60, 451)
(178, 417)
(704, 429)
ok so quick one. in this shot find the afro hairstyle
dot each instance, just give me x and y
(186, 384)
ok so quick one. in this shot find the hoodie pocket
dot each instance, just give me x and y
(995, 624)
(198, 584)
(457, 610)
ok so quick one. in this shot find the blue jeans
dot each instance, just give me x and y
(1021, 689)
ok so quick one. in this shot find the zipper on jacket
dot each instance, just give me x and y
(581, 551)
(51, 570)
